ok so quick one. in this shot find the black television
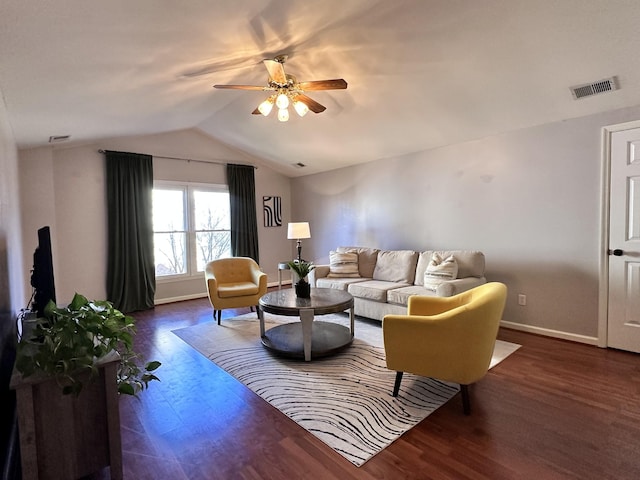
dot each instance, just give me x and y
(42, 279)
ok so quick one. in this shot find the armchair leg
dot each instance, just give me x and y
(396, 386)
(219, 316)
(466, 404)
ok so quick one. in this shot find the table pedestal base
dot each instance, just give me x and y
(326, 339)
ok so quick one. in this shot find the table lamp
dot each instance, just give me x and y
(298, 231)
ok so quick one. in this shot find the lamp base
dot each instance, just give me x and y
(299, 248)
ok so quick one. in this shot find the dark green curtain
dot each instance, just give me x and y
(131, 279)
(244, 224)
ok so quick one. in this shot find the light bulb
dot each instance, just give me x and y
(282, 101)
(301, 108)
(265, 107)
(283, 114)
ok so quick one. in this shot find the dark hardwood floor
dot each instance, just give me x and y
(553, 410)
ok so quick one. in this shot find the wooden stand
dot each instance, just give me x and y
(64, 436)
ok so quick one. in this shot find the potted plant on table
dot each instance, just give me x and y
(67, 341)
(302, 269)
(70, 368)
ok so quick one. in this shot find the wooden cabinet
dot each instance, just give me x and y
(67, 436)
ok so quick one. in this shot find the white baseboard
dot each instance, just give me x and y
(511, 325)
(160, 301)
(550, 333)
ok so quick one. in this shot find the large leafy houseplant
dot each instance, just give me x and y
(66, 342)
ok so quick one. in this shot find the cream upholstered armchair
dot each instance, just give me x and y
(233, 283)
(448, 338)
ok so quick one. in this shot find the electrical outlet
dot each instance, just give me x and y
(522, 299)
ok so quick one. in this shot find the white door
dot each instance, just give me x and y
(623, 324)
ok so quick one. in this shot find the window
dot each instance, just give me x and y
(191, 227)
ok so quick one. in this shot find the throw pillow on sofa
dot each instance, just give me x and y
(343, 265)
(440, 270)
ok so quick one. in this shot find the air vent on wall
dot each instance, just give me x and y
(59, 138)
(589, 89)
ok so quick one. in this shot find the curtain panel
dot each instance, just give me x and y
(244, 223)
(131, 281)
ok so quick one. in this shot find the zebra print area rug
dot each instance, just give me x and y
(344, 400)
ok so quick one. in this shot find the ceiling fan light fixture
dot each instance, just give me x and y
(282, 101)
(265, 107)
(283, 114)
(287, 91)
(300, 108)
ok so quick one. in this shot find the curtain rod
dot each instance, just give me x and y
(217, 162)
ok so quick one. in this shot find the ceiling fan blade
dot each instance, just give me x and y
(335, 84)
(314, 106)
(276, 71)
(242, 87)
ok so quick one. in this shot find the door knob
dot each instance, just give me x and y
(617, 252)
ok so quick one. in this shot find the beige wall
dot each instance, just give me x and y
(529, 199)
(12, 293)
(64, 188)
(12, 273)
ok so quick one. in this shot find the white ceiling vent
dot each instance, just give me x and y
(589, 89)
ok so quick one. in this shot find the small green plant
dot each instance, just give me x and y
(302, 268)
(66, 343)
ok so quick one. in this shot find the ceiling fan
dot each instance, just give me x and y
(288, 91)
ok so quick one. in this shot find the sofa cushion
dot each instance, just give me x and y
(396, 266)
(440, 270)
(337, 283)
(343, 264)
(375, 290)
(470, 263)
(366, 259)
(400, 296)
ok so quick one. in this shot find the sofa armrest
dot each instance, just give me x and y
(321, 271)
(449, 288)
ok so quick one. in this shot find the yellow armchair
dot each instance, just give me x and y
(448, 338)
(233, 283)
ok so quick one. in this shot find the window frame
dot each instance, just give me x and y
(188, 189)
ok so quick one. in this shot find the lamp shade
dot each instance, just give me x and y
(265, 107)
(283, 114)
(301, 108)
(297, 230)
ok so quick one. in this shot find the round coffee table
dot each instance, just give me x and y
(307, 339)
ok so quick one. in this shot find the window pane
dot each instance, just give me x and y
(168, 210)
(170, 253)
(212, 245)
(211, 210)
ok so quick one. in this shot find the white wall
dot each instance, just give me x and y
(529, 199)
(65, 188)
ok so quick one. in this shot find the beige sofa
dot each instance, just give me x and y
(385, 279)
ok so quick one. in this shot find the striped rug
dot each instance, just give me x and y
(344, 400)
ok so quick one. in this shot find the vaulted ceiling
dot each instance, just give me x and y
(420, 73)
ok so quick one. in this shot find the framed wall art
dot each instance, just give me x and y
(272, 211)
